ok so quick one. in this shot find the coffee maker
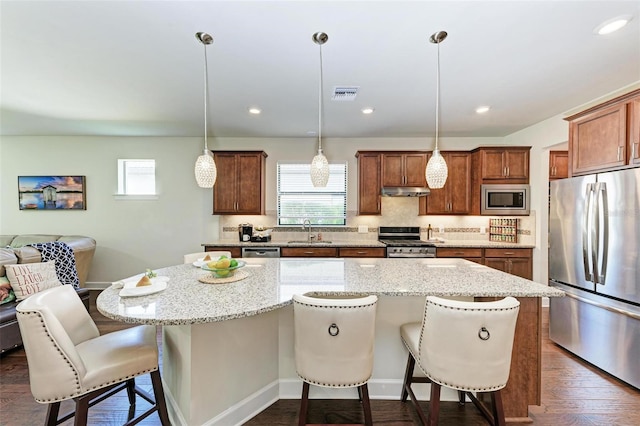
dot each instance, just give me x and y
(245, 231)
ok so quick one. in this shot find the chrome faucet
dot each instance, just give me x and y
(307, 224)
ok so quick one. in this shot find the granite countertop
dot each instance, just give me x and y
(365, 243)
(271, 283)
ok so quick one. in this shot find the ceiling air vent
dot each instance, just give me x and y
(344, 93)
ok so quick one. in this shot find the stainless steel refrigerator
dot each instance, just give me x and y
(594, 256)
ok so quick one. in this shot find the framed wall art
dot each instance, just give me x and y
(52, 193)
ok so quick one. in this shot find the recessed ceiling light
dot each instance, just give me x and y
(482, 109)
(611, 25)
(255, 110)
(368, 110)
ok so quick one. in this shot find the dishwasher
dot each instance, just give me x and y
(260, 251)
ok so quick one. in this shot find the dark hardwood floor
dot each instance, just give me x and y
(574, 393)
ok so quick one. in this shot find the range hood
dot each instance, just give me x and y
(404, 191)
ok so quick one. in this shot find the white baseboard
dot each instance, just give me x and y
(252, 405)
(97, 285)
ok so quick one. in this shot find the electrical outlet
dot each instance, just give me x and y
(483, 230)
(441, 229)
(363, 229)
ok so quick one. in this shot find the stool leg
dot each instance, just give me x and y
(462, 397)
(52, 414)
(304, 404)
(82, 411)
(408, 375)
(498, 409)
(158, 393)
(366, 404)
(434, 405)
(131, 391)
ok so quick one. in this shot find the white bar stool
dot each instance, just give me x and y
(464, 346)
(334, 345)
(69, 359)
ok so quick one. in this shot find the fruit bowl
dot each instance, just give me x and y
(223, 272)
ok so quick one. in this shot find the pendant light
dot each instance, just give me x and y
(319, 164)
(205, 169)
(436, 171)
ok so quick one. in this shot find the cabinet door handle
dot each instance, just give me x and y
(308, 252)
(504, 171)
(507, 171)
(459, 253)
(633, 150)
(509, 253)
(619, 151)
(361, 252)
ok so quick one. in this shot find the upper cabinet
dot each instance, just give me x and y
(558, 165)
(369, 182)
(503, 164)
(455, 196)
(404, 169)
(606, 137)
(239, 187)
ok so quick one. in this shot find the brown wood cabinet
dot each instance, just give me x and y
(362, 252)
(605, 137)
(503, 164)
(558, 165)
(369, 183)
(240, 185)
(308, 252)
(513, 261)
(468, 253)
(516, 261)
(455, 196)
(404, 169)
(236, 252)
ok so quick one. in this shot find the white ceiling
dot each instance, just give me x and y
(135, 67)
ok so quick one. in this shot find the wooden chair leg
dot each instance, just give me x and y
(131, 391)
(52, 414)
(434, 405)
(304, 404)
(498, 409)
(158, 392)
(366, 404)
(82, 410)
(408, 376)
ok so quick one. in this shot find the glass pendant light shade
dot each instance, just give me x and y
(319, 164)
(437, 170)
(319, 170)
(205, 170)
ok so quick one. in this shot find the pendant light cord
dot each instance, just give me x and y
(206, 96)
(320, 105)
(437, 95)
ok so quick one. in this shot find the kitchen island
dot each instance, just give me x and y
(228, 348)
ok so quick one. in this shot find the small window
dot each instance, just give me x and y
(298, 199)
(136, 177)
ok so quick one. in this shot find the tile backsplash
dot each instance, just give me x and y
(396, 211)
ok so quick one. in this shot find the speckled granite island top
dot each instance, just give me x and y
(271, 284)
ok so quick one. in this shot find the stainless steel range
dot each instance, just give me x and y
(404, 241)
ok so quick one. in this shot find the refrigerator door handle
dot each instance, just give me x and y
(595, 232)
(603, 306)
(585, 233)
(603, 246)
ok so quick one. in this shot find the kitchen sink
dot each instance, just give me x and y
(308, 242)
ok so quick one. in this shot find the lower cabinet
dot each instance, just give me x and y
(513, 261)
(308, 252)
(236, 252)
(472, 254)
(362, 252)
(516, 261)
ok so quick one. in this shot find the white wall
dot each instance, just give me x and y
(131, 235)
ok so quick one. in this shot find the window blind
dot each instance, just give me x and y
(298, 199)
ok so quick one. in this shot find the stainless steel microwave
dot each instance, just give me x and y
(507, 199)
